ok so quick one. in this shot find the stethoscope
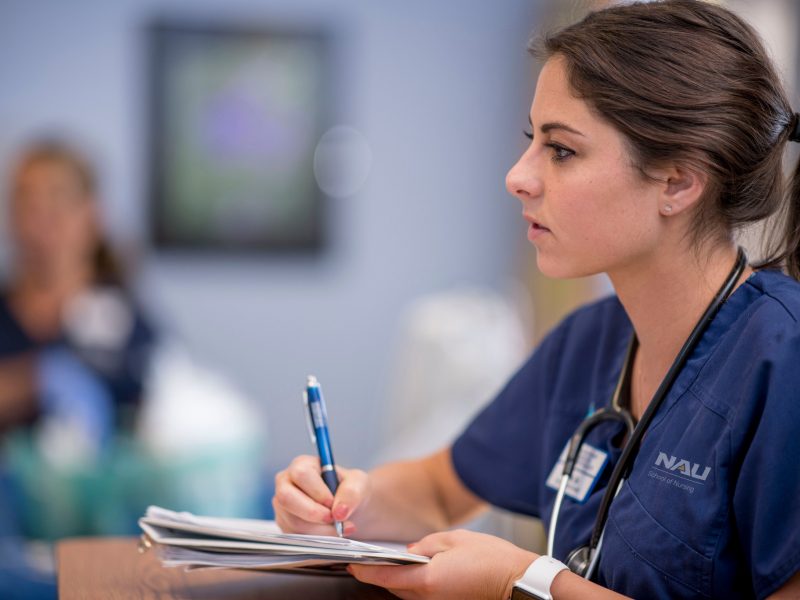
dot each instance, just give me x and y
(583, 560)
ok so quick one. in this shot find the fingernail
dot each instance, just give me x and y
(340, 512)
(349, 528)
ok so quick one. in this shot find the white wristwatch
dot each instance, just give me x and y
(535, 583)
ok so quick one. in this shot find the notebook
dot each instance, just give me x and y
(197, 542)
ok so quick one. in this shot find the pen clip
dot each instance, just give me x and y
(308, 418)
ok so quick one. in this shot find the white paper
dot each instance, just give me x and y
(193, 541)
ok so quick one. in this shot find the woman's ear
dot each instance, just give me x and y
(682, 188)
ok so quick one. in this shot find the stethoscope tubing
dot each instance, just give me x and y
(551, 533)
(613, 413)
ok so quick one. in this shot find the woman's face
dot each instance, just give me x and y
(52, 215)
(589, 209)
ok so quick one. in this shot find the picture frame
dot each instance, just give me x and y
(235, 117)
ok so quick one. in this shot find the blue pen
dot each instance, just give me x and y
(318, 429)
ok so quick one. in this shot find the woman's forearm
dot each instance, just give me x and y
(568, 586)
(409, 499)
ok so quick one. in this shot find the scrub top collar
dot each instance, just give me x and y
(734, 308)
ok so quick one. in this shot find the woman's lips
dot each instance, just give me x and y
(535, 230)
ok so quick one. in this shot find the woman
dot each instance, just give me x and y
(657, 130)
(66, 316)
(73, 348)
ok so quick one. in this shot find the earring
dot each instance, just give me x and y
(667, 209)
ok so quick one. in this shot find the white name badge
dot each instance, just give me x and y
(585, 474)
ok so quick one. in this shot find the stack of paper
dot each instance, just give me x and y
(193, 542)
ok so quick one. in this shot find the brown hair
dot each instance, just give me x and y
(687, 82)
(106, 266)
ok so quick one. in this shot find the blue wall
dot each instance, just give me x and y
(439, 89)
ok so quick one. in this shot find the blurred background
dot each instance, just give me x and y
(286, 188)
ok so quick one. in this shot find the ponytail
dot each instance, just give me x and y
(107, 268)
(791, 243)
(784, 240)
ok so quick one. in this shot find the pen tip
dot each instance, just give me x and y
(340, 529)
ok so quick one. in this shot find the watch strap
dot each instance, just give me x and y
(538, 578)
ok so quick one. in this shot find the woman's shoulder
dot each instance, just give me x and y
(768, 316)
(758, 347)
(779, 296)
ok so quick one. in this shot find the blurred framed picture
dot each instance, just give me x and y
(235, 117)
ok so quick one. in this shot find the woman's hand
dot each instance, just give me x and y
(304, 504)
(464, 564)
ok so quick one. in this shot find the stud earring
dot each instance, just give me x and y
(667, 209)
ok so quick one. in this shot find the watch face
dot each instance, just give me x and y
(521, 594)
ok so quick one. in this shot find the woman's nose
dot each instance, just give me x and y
(523, 180)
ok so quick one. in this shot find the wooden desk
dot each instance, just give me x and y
(112, 569)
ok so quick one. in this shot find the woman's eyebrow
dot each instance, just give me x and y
(556, 125)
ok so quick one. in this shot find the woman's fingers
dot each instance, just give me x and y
(463, 564)
(393, 578)
(303, 502)
(290, 523)
(352, 491)
(293, 500)
(305, 474)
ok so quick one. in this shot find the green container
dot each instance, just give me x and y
(107, 497)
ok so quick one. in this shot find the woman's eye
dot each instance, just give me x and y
(560, 153)
(527, 134)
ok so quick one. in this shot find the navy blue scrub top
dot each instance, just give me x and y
(733, 415)
(122, 371)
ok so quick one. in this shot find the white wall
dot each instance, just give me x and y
(440, 90)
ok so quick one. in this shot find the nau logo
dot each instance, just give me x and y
(673, 463)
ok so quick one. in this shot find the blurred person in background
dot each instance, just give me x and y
(67, 299)
(74, 347)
